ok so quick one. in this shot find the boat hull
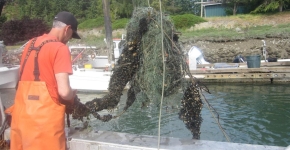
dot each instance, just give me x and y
(90, 80)
(8, 77)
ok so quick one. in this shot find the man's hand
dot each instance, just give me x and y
(77, 109)
(69, 109)
(70, 105)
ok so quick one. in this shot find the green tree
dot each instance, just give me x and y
(282, 4)
(233, 4)
(122, 8)
(92, 10)
(2, 3)
(11, 11)
(271, 5)
(140, 3)
(173, 7)
(186, 6)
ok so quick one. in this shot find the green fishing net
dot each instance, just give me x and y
(149, 64)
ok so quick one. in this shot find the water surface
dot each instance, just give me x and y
(249, 113)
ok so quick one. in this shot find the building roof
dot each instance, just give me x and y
(211, 3)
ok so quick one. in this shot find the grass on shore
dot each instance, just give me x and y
(13, 47)
(255, 28)
(214, 34)
(211, 34)
(261, 32)
(89, 41)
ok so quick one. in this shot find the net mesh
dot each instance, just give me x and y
(141, 65)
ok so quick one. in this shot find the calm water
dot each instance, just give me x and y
(249, 113)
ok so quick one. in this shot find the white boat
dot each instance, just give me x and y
(8, 77)
(90, 79)
(8, 74)
(98, 61)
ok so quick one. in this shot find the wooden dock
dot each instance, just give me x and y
(239, 72)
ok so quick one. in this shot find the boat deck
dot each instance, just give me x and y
(100, 140)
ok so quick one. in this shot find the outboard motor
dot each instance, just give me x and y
(196, 53)
(239, 59)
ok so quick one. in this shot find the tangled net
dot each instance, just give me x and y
(141, 65)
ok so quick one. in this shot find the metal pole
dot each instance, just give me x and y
(264, 50)
(201, 10)
(108, 28)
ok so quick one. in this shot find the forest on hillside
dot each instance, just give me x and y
(30, 18)
(89, 9)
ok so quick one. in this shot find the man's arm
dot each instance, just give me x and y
(63, 86)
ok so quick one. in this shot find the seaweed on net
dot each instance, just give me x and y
(141, 65)
(191, 106)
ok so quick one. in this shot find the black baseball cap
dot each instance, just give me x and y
(69, 19)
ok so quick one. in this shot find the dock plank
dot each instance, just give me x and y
(263, 64)
(241, 70)
(247, 76)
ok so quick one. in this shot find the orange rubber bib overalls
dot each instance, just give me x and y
(37, 121)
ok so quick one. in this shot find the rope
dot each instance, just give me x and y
(211, 109)
(163, 60)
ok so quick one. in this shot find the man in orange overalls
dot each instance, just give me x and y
(38, 112)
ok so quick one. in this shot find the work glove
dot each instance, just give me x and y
(69, 108)
(69, 105)
(80, 110)
(77, 109)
